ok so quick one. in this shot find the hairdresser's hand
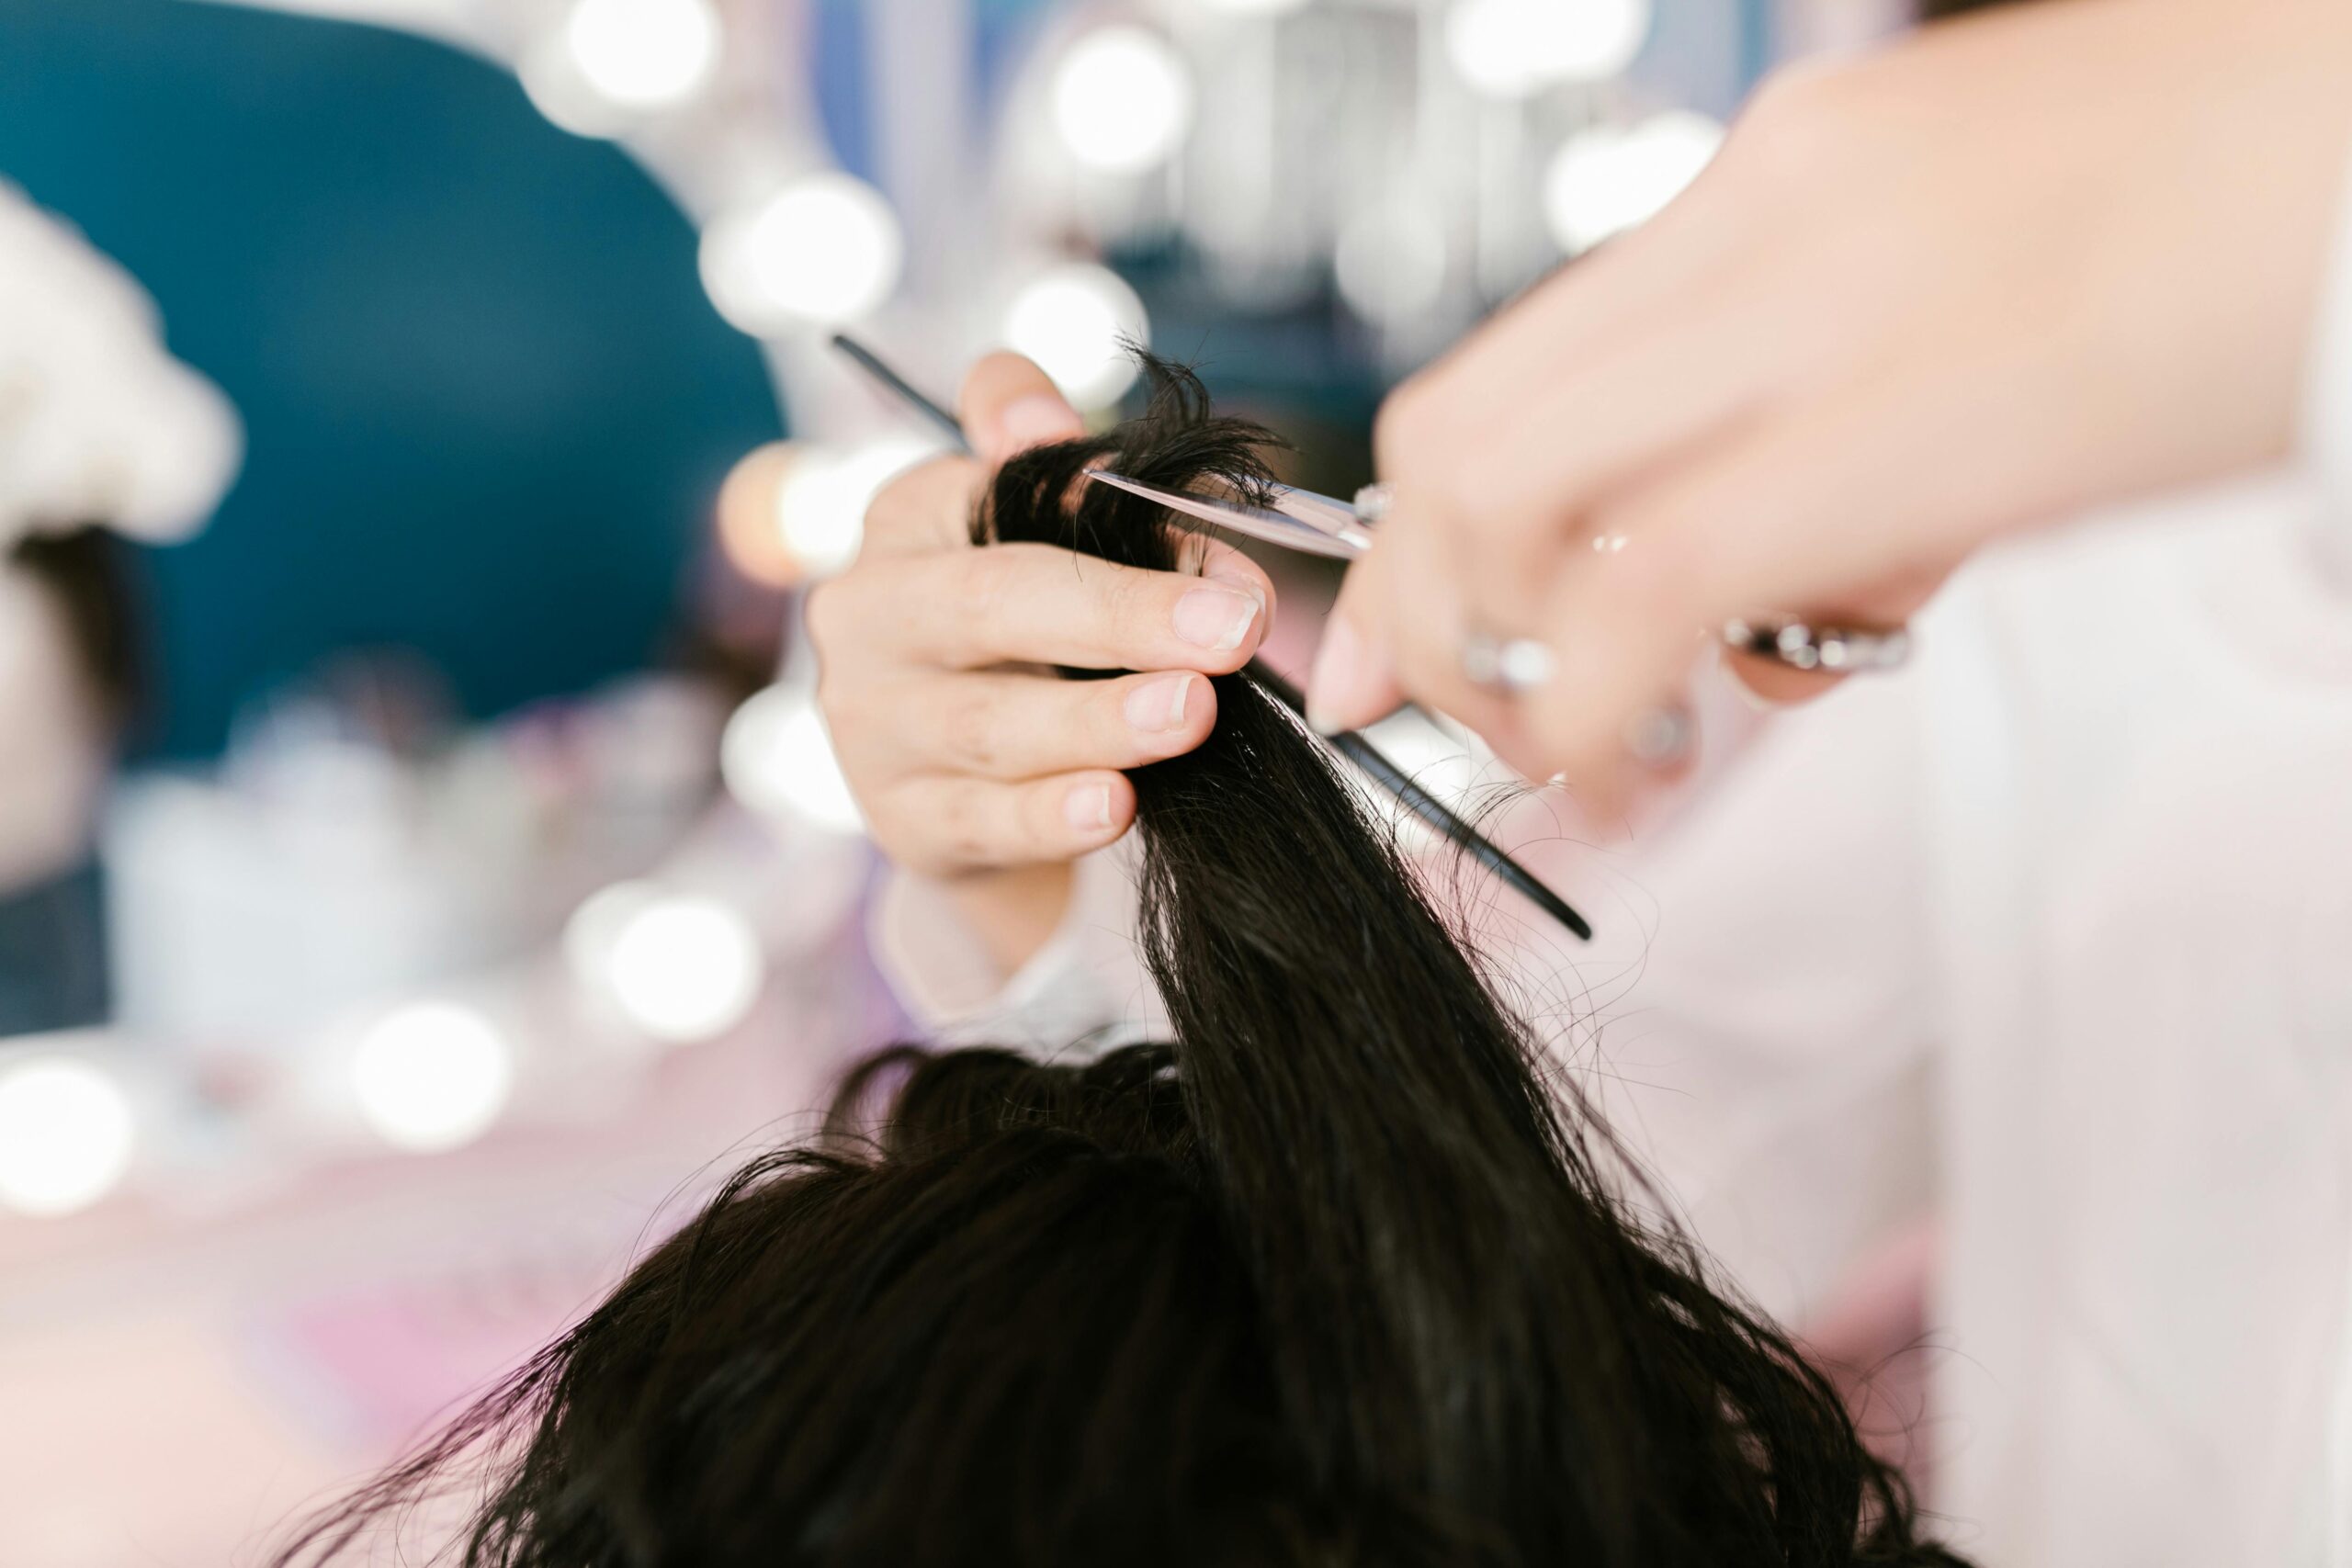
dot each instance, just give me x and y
(2007, 268)
(973, 762)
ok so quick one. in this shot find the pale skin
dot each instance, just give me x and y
(2014, 266)
(976, 765)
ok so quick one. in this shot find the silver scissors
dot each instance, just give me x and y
(1325, 525)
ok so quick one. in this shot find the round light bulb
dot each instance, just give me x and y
(751, 527)
(1121, 99)
(66, 1133)
(1509, 49)
(681, 967)
(1076, 321)
(777, 760)
(820, 507)
(1607, 180)
(643, 55)
(824, 248)
(432, 1076)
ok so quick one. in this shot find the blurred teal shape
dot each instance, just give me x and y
(487, 404)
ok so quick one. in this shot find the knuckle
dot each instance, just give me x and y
(962, 600)
(991, 582)
(1128, 603)
(972, 729)
(959, 836)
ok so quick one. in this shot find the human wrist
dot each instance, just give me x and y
(1011, 911)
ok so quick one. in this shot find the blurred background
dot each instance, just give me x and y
(421, 865)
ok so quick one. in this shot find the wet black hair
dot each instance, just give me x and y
(1333, 1276)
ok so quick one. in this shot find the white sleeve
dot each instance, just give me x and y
(1755, 1017)
(1086, 988)
(2327, 406)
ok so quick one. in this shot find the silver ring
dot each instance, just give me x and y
(1801, 645)
(1371, 502)
(1510, 665)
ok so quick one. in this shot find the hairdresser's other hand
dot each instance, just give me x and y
(973, 762)
(2009, 268)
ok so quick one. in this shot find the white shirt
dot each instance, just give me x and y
(2047, 939)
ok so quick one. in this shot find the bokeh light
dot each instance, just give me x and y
(643, 55)
(1509, 49)
(777, 760)
(821, 504)
(681, 967)
(1606, 180)
(1121, 99)
(825, 247)
(432, 1076)
(66, 1134)
(1076, 321)
(750, 520)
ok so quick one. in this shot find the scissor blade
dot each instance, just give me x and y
(1255, 522)
(1325, 513)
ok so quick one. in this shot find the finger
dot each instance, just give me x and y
(1025, 727)
(1528, 485)
(1353, 683)
(1803, 511)
(1427, 627)
(927, 508)
(1008, 404)
(1039, 603)
(945, 826)
(1399, 629)
(1202, 554)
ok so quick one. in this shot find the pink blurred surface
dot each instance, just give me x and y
(176, 1386)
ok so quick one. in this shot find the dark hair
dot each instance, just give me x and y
(1330, 1278)
(87, 570)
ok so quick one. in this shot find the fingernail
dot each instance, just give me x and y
(1037, 419)
(1214, 618)
(1088, 807)
(1240, 582)
(1343, 668)
(1157, 707)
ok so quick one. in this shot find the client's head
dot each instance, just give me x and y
(1329, 1278)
